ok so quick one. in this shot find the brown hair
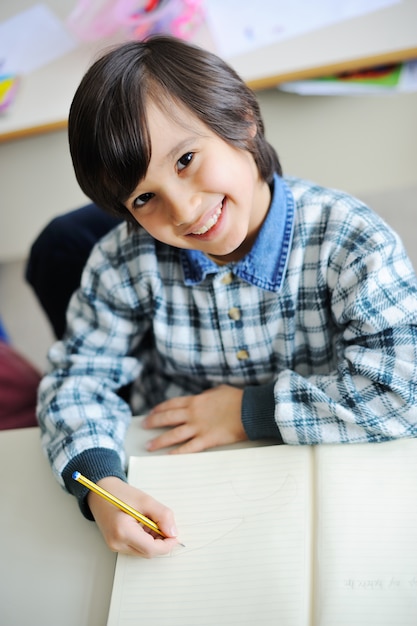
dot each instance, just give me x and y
(108, 133)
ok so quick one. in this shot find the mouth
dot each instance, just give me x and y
(211, 222)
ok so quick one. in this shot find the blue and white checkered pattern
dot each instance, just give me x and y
(324, 307)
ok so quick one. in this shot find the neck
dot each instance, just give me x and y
(219, 260)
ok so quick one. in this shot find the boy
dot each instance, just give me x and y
(238, 304)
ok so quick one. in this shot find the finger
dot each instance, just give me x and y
(130, 537)
(158, 547)
(196, 444)
(179, 402)
(162, 419)
(161, 515)
(171, 437)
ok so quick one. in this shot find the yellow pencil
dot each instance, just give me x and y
(121, 505)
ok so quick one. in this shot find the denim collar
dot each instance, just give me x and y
(264, 266)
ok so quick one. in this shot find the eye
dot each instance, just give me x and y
(185, 160)
(142, 200)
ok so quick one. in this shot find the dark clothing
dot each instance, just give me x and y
(58, 255)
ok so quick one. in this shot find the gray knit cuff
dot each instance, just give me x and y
(258, 413)
(94, 464)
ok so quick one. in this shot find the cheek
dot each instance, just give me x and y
(141, 219)
(220, 174)
(239, 168)
(157, 227)
(147, 222)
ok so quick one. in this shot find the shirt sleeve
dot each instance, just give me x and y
(82, 417)
(369, 395)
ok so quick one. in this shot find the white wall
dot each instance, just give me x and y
(359, 144)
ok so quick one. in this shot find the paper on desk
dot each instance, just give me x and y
(238, 27)
(31, 39)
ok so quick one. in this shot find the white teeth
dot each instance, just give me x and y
(212, 221)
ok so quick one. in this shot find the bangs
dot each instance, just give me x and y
(108, 131)
(121, 147)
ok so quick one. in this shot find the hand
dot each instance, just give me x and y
(122, 532)
(195, 423)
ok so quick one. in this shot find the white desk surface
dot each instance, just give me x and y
(55, 569)
(383, 36)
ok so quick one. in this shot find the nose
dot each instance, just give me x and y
(182, 204)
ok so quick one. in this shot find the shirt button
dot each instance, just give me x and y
(227, 279)
(242, 355)
(234, 314)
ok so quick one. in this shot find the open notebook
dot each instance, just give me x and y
(295, 536)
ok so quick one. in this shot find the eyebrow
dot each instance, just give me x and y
(179, 147)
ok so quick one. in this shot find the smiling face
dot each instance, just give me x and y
(198, 192)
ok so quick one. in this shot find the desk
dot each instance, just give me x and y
(55, 569)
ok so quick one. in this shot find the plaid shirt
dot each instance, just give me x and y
(318, 323)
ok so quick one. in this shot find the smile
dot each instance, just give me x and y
(209, 224)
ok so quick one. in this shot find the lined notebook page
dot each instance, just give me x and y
(367, 535)
(245, 519)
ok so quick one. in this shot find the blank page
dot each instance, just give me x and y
(245, 519)
(367, 534)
